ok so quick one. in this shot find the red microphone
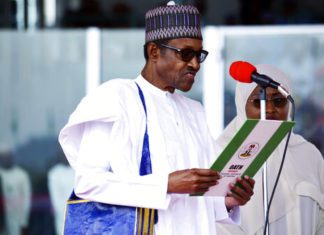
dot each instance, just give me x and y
(243, 71)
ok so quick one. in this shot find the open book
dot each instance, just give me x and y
(249, 148)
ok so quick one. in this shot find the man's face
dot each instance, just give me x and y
(277, 106)
(172, 70)
(6, 160)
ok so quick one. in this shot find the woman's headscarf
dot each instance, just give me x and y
(243, 91)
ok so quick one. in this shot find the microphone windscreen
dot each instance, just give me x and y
(242, 71)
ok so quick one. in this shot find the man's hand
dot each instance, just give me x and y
(239, 196)
(192, 180)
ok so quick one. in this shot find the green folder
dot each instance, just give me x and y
(246, 153)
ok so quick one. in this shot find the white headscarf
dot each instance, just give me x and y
(243, 91)
(295, 180)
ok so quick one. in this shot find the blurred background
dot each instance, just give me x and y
(52, 52)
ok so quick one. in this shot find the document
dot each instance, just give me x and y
(246, 153)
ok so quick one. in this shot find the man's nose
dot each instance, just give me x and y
(194, 63)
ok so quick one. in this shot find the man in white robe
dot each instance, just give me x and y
(16, 188)
(298, 204)
(104, 136)
(60, 186)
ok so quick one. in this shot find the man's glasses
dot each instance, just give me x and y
(278, 102)
(187, 54)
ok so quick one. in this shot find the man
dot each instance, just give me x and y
(16, 188)
(298, 203)
(104, 136)
(60, 185)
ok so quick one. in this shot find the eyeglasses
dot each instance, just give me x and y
(278, 102)
(187, 54)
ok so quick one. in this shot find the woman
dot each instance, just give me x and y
(298, 204)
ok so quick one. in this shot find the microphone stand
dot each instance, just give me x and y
(263, 98)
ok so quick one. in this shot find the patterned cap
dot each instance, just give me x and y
(172, 21)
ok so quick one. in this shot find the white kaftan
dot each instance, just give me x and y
(103, 142)
(17, 199)
(60, 186)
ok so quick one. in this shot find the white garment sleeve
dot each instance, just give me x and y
(223, 216)
(53, 192)
(26, 199)
(107, 170)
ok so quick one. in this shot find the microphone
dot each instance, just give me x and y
(243, 71)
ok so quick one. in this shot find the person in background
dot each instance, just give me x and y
(298, 204)
(104, 136)
(16, 188)
(60, 187)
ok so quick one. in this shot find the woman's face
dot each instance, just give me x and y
(277, 107)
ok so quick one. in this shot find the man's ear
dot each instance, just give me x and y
(153, 51)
